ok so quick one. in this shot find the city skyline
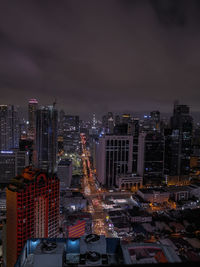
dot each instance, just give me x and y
(99, 132)
(125, 55)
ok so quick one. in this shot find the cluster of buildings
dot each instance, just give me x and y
(92, 250)
(158, 151)
(30, 166)
(44, 215)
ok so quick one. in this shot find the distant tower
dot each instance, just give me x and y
(32, 108)
(46, 138)
(9, 127)
(94, 122)
(178, 145)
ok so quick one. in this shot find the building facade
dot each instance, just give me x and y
(114, 157)
(129, 181)
(32, 210)
(65, 173)
(178, 143)
(150, 163)
(46, 149)
(9, 127)
(12, 162)
(32, 108)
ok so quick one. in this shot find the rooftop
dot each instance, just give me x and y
(28, 175)
(90, 250)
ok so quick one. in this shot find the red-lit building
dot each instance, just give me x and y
(32, 210)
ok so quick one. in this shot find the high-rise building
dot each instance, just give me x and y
(150, 163)
(155, 120)
(32, 108)
(178, 142)
(136, 127)
(114, 157)
(12, 162)
(71, 123)
(60, 122)
(71, 133)
(45, 156)
(32, 210)
(108, 123)
(9, 127)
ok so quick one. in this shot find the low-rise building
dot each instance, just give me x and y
(91, 250)
(138, 216)
(143, 253)
(154, 195)
(73, 201)
(178, 193)
(129, 181)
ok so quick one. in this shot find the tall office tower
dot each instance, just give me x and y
(60, 122)
(12, 162)
(23, 129)
(155, 120)
(32, 210)
(114, 157)
(136, 126)
(46, 139)
(195, 157)
(9, 127)
(179, 142)
(71, 123)
(94, 127)
(32, 108)
(151, 157)
(71, 133)
(108, 123)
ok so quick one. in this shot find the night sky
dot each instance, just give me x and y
(99, 56)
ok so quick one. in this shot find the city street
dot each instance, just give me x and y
(93, 194)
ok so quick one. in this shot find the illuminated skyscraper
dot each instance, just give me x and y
(32, 108)
(71, 133)
(9, 127)
(46, 139)
(32, 210)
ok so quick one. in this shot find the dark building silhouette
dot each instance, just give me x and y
(151, 157)
(46, 139)
(178, 142)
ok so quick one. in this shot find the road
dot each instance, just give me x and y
(93, 193)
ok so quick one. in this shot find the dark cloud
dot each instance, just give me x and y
(95, 56)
